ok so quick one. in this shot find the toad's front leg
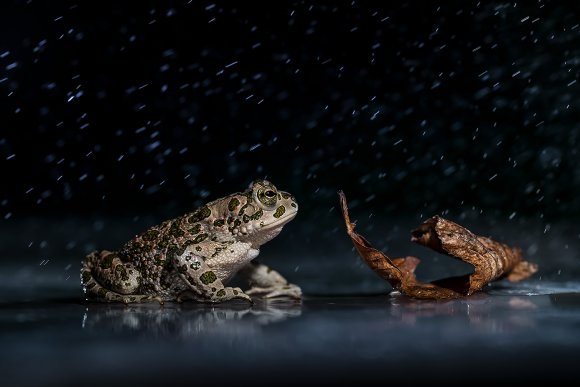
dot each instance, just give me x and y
(203, 282)
(267, 282)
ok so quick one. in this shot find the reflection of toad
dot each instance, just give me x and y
(187, 320)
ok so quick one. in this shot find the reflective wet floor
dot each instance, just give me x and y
(511, 334)
(348, 330)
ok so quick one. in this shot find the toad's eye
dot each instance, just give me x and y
(267, 197)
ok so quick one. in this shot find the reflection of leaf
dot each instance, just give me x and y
(491, 260)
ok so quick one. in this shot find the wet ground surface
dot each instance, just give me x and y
(511, 334)
(347, 331)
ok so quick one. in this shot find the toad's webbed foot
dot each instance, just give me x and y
(287, 290)
(268, 283)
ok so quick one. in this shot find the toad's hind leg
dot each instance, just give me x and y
(106, 278)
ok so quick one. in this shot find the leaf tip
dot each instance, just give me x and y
(344, 208)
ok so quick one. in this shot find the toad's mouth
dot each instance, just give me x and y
(260, 234)
(280, 221)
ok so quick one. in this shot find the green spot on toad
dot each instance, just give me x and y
(279, 212)
(208, 277)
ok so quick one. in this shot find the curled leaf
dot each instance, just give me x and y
(491, 260)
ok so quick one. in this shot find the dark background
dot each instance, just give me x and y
(116, 116)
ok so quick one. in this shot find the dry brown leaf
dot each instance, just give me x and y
(491, 260)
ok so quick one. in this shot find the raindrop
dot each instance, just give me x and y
(547, 228)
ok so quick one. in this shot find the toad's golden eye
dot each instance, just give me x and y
(267, 197)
